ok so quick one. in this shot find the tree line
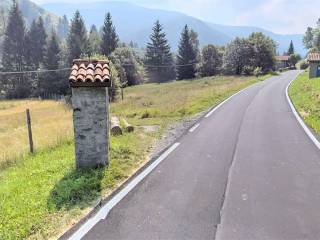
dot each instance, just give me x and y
(311, 39)
(35, 49)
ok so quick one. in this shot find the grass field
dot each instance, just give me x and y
(305, 94)
(43, 194)
(51, 126)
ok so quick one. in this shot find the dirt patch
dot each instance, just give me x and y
(150, 128)
(174, 132)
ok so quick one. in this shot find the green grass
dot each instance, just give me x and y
(305, 94)
(41, 195)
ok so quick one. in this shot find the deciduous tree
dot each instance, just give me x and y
(130, 71)
(237, 55)
(211, 61)
(264, 50)
(308, 38)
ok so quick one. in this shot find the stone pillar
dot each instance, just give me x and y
(90, 103)
(90, 120)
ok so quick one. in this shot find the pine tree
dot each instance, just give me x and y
(13, 58)
(159, 60)
(77, 42)
(94, 41)
(291, 49)
(52, 82)
(35, 44)
(187, 56)
(109, 36)
(13, 46)
(63, 27)
(195, 43)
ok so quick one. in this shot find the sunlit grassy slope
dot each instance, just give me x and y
(42, 194)
(51, 125)
(305, 94)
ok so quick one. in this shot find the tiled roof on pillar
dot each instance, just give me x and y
(90, 73)
(314, 57)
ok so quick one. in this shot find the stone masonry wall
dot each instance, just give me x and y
(313, 69)
(90, 119)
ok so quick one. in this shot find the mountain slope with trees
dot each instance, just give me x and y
(134, 22)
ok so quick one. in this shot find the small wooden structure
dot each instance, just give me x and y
(89, 81)
(282, 61)
(314, 62)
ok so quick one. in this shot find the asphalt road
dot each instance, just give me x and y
(248, 171)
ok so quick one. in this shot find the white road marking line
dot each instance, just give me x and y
(296, 114)
(194, 127)
(217, 107)
(103, 212)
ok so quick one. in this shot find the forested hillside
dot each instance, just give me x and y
(133, 22)
(30, 12)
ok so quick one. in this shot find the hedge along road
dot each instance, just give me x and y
(246, 171)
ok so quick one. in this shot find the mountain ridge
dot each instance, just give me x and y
(134, 22)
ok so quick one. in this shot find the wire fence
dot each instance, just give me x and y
(69, 69)
(51, 83)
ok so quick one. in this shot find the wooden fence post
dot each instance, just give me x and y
(29, 130)
(121, 93)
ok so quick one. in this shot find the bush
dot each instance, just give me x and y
(128, 65)
(248, 70)
(258, 72)
(115, 83)
(304, 65)
(113, 90)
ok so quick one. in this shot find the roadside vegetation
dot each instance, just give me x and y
(51, 126)
(43, 194)
(29, 48)
(305, 94)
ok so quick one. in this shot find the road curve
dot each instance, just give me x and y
(248, 171)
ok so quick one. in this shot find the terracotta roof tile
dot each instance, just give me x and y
(86, 73)
(75, 67)
(314, 57)
(98, 71)
(98, 78)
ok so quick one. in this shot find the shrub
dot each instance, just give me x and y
(258, 72)
(304, 65)
(248, 70)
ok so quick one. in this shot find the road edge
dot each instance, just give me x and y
(91, 217)
(304, 126)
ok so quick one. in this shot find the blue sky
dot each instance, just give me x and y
(280, 16)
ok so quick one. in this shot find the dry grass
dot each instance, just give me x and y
(42, 194)
(51, 125)
(150, 104)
